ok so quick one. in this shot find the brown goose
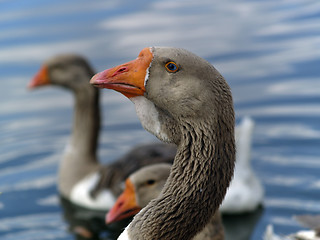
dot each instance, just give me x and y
(82, 179)
(144, 185)
(180, 98)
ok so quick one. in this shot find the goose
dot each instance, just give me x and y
(181, 99)
(144, 185)
(310, 221)
(81, 178)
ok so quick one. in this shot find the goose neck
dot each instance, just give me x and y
(86, 122)
(199, 178)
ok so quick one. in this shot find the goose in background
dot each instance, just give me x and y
(246, 192)
(146, 184)
(181, 99)
(82, 179)
(310, 221)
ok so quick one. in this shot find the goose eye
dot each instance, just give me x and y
(150, 182)
(171, 67)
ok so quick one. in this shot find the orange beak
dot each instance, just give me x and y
(125, 206)
(127, 78)
(41, 78)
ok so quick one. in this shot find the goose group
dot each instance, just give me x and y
(182, 99)
(82, 179)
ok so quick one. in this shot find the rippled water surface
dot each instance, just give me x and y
(269, 51)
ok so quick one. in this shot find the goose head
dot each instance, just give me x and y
(140, 188)
(169, 86)
(66, 70)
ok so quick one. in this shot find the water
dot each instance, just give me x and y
(269, 51)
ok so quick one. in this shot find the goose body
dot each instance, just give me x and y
(182, 99)
(82, 179)
(146, 184)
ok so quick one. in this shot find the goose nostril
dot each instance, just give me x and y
(122, 69)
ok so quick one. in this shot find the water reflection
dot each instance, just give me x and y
(83, 223)
(296, 87)
(89, 224)
(39, 226)
(204, 27)
(52, 200)
(241, 226)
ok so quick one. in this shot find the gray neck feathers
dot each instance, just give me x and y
(86, 121)
(80, 155)
(200, 176)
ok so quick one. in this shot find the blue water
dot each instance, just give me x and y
(269, 51)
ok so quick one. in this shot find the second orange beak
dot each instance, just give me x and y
(125, 206)
(41, 78)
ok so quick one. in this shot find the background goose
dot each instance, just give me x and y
(246, 192)
(309, 221)
(146, 184)
(180, 98)
(82, 179)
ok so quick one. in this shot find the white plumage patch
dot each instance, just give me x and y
(124, 235)
(147, 72)
(147, 76)
(80, 194)
(307, 235)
